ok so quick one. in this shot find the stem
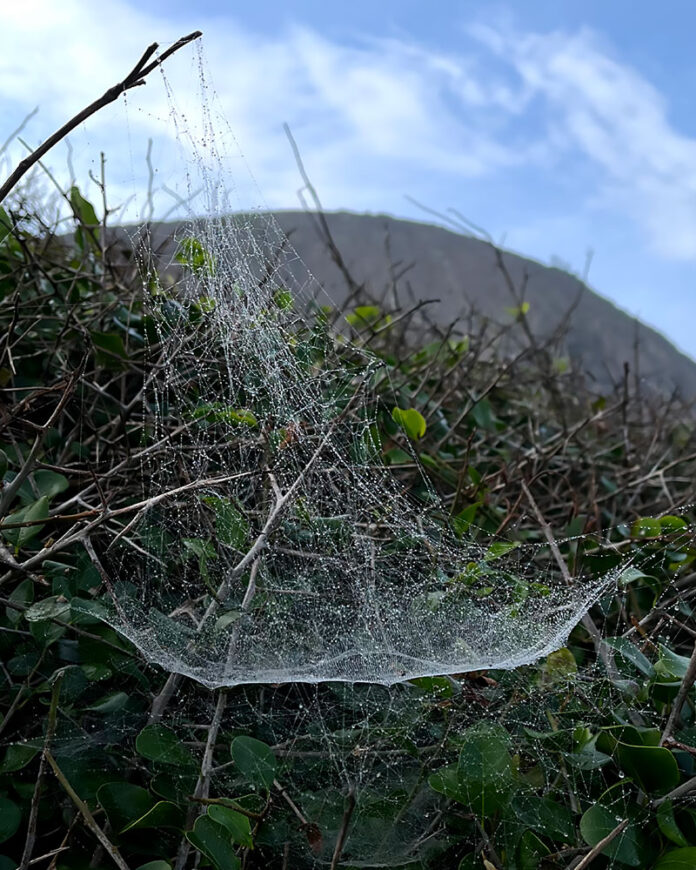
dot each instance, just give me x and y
(134, 78)
(686, 685)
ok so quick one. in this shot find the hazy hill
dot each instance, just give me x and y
(463, 273)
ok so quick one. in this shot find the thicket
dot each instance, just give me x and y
(585, 759)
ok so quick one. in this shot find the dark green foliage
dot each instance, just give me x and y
(528, 769)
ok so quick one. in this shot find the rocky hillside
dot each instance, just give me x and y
(404, 262)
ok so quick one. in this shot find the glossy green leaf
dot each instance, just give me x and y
(215, 842)
(654, 768)
(678, 859)
(194, 254)
(124, 802)
(110, 703)
(498, 549)
(53, 607)
(599, 821)
(235, 823)
(670, 665)
(411, 421)
(109, 346)
(10, 818)
(531, 851)
(483, 777)
(646, 527)
(163, 814)
(17, 756)
(629, 651)
(30, 514)
(546, 816)
(559, 667)
(231, 526)
(255, 761)
(668, 824)
(158, 743)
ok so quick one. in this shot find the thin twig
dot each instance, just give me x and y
(601, 846)
(134, 78)
(86, 814)
(38, 787)
(587, 621)
(684, 689)
(343, 832)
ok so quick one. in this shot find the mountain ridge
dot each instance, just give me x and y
(467, 274)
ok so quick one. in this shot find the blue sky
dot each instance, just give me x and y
(557, 126)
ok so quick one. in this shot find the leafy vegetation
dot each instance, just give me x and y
(585, 758)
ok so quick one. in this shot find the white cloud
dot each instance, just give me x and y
(606, 112)
(370, 118)
(374, 118)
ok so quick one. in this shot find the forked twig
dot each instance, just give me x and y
(134, 78)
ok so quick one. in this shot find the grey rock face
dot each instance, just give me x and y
(464, 274)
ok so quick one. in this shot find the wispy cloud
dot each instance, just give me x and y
(602, 110)
(374, 118)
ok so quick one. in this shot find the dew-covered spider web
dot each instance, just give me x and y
(328, 512)
(273, 543)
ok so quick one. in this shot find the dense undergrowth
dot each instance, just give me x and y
(102, 753)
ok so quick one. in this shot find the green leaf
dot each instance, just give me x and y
(193, 254)
(411, 421)
(255, 761)
(17, 756)
(364, 315)
(83, 208)
(10, 818)
(204, 552)
(123, 802)
(672, 524)
(598, 822)
(53, 607)
(462, 521)
(629, 651)
(518, 310)
(397, 456)
(531, 850)
(215, 842)
(110, 703)
(231, 527)
(559, 667)
(678, 859)
(87, 232)
(670, 665)
(483, 778)
(50, 483)
(545, 816)
(164, 814)
(654, 768)
(283, 299)
(646, 527)
(157, 743)
(21, 595)
(235, 823)
(33, 512)
(668, 824)
(155, 865)
(109, 346)
(498, 549)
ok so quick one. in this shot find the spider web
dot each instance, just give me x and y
(273, 544)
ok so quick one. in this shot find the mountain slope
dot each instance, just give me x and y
(463, 273)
